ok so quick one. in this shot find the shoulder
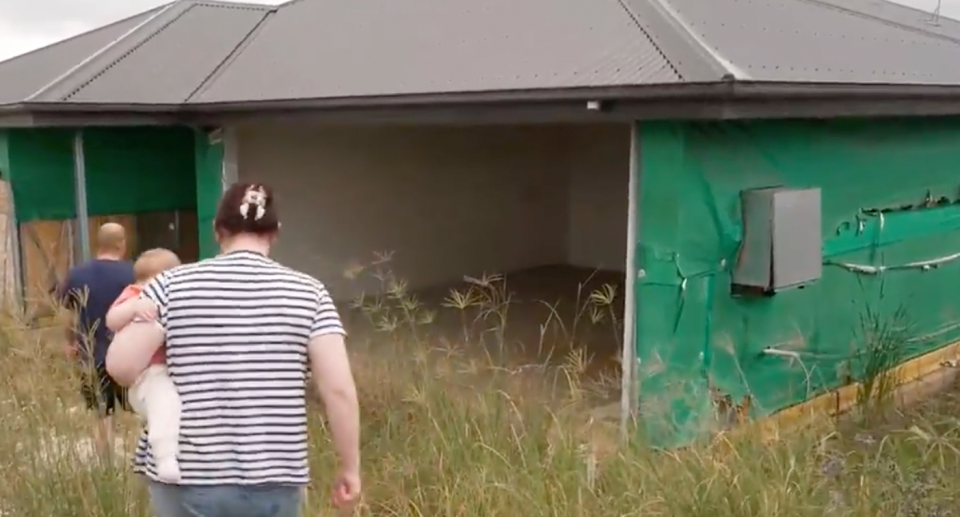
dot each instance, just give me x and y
(170, 275)
(122, 268)
(80, 271)
(97, 266)
(84, 274)
(302, 280)
(306, 280)
(108, 272)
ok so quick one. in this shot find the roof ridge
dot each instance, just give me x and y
(289, 3)
(729, 67)
(825, 4)
(187, 6)
(61, 79)
(688, 55)
(237, 50)
(84, 33)
(919, 11)
(646, 33)
(235, 5)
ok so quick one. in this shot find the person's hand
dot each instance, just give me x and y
(144, 310)
(346, 491)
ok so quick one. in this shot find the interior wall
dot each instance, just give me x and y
(448, 201)
(598, 164)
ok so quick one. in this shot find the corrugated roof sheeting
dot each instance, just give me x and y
(24, 75)
(203, 51)
(903, 15)
(175, 60)
(814, 41)
(346, 48)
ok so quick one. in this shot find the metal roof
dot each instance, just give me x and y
(826, 41)
(161, 56)
(354, 48)
(24, 75)
(204, 54)
(166, 65)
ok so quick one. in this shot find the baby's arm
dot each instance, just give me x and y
(121, 315)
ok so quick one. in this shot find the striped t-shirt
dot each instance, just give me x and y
(237, 328)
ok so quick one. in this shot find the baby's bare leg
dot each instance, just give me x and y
(159, 403)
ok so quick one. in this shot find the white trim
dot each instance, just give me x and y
(629, 388)
(727, 65)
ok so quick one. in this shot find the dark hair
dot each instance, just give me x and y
(232, 218)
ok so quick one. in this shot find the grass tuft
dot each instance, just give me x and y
(452, 432)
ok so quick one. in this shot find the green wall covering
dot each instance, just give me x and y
(209, 188)
(693, 336)
(4, 155)
(129, 170)
(138, 170)
(41, 173)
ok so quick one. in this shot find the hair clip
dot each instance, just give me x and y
(254, 196)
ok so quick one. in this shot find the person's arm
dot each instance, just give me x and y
(121, 314)
(330, 370)
(133, 346)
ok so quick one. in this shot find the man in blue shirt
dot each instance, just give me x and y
(88, 292)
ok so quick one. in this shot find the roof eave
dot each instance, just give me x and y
(719, 100)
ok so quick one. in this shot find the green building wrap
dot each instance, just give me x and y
(128, 171)
(695, 339)
(4, 154)
(139, 170)
(40, 171)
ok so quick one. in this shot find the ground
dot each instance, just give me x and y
(542, 317)
(451, 432)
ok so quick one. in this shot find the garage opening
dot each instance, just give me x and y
(545, 206)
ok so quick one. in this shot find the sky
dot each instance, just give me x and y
(26, 25)
(29, 24)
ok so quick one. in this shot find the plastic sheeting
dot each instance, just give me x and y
(128, 170)
(139, 170)
(40, 171)
(695, 339)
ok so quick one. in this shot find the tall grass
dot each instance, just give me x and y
(885, 345)
(448, 432)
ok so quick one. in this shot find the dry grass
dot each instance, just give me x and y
(454, 434)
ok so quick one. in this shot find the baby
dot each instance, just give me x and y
(153, 396)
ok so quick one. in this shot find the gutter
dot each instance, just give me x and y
(711, 92)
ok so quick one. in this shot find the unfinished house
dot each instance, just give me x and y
(765, 183)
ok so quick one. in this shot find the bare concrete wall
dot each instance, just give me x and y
(448, 201)
(598, 164)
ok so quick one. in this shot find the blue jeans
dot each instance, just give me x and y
(225, 501)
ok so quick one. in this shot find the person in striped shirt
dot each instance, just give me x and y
(242, 332)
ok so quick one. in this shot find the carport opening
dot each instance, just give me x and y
(544, 206)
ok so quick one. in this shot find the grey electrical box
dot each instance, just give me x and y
(782, 241)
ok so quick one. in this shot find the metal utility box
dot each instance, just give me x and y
(782, 241)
